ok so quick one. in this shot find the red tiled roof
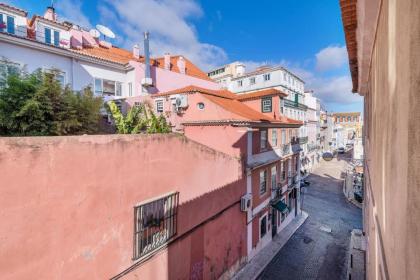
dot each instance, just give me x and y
(190, 68)
(195, 89)
(228, 101)
(260, 93)
(13, 8)
(112, 54)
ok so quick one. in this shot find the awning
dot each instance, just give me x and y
(281, 206)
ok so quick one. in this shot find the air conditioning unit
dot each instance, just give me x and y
(246, 202)
(147, 82)
(182, 101)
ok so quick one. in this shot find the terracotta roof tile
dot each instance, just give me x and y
(15, 9)
(190, 68)
(194, 89)
(260, 93)
(112, 54)
(228, 101)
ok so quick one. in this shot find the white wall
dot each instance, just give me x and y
(78, 74)
(40, 33)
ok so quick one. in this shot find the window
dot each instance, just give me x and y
(338, 119)
(281, 105)
(349, 119)
(7, 68)
(240, 83)
(290, 200)
(263, 139)
(283, 136)
(155, 223)
(252, 81)
(130, 89)
(47, 36)
(273, 177)
(274, 137)
(283, 170)
(263, 226)
(8, 23)
(266, 77)
(266, 104)
(200, 106)
(60, 76)
(56, 38)
(159, 105)
(108, 87)
(263, 182)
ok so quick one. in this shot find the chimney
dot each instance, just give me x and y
(167, 61)
(240, 69)
(50, 14)
(147, 80)
(181, 65)
(136, 51)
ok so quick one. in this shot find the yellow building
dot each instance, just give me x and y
(351, 122)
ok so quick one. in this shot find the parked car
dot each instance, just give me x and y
(341, 150)
(304, 183)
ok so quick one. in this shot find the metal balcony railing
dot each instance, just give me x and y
(286, 149)
(303, 140)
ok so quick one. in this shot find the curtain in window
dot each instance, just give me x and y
(1, 23)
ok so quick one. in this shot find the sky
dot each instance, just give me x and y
(304, 36)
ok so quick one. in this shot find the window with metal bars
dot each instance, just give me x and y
(155, 222)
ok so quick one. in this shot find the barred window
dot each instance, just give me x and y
(155, 223)
(266, 104)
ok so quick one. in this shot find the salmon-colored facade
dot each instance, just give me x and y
(67, 207)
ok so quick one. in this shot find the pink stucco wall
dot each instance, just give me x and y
(67, 206)
(166, 80)
(256, 105)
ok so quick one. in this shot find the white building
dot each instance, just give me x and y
(312, 154)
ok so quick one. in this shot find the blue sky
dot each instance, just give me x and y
(304, 36)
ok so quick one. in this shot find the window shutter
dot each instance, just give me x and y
(47, 35)
(1, 23)
(56, 38)
(11, 25)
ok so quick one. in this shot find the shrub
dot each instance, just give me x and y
(37, 104)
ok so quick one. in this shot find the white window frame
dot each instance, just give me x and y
(266, 226)
(5, 22)
(159, 102)
(116, 85)
(263, 144)
(267, 77)
(263, 175)
(252, 81)
(240, 83)
(274, 140)
(130, 89)
(273, 168)
(267, 104)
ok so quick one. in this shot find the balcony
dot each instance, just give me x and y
(303, 140)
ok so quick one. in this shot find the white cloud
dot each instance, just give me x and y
(332, 57)
(170, 31)
(71, 10)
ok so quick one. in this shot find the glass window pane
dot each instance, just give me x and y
(108, 87)
(2, 24)
(119, 89)
(98, 86)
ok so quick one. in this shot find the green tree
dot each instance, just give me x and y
(139, 119)
(37, 104)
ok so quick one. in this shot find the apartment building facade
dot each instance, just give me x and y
(312, 155)
(266, 142)
(382, 39)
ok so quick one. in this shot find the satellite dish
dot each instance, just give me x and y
(94, 33)
(105, 31)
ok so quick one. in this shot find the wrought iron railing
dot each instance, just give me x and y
(303, 140)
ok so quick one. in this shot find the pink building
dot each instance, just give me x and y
(266, 143)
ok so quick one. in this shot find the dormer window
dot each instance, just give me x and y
(52, 37)
(7, 24)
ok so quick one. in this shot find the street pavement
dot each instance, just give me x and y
(319, 248)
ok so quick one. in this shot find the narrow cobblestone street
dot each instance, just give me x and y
(319, 248)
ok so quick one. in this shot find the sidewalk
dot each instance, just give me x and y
(256, 266)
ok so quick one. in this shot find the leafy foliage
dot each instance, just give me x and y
(139, 119)
(36, 104)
